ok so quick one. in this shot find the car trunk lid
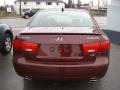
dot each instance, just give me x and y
(61, 45)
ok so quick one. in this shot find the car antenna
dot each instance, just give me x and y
(62, 9)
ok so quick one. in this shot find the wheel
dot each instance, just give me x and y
(7, 44)
(26, 16)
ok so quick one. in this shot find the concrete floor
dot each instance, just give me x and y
(9, 80)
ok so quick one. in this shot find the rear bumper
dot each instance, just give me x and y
(80, 71)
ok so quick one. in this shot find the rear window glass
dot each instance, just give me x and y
(62, 19)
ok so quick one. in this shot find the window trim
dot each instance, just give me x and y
(49, 3)
(37, 3)
(57, 3)
(25, 3)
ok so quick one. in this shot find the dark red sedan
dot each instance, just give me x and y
(61, 45)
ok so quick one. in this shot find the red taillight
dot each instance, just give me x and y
(25, 46)
(17, 44)
(29, 47)
(96, 47)
(104, 46)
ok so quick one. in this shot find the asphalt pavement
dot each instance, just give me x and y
(9, 80)
(16, 22)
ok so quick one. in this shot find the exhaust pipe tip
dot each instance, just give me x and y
(92, 80)
(27, 78)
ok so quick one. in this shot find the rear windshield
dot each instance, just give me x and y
(62, 19)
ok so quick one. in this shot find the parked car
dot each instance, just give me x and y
(30, 13)
(24, 11)
(6, 37)
(62, 45)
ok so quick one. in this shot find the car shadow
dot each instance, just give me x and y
(71, 85)
(114, 36)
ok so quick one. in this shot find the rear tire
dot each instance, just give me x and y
(7, 44)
